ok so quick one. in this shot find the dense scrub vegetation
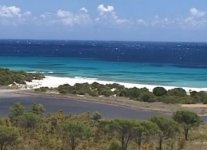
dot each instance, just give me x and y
(32, 129)
(159, 94)
(8, 77)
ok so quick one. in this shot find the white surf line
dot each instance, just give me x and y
(53, 82)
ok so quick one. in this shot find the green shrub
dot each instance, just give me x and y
(28, 120)
(8, 136)
(65, 89)
(159, 91)
(8, 77)
(199, 96)
(96, 116)
(132, 93)
(93, 93)
(169, 99)
(147, 97)
(106, 92)
(177, 92)
(42, 89)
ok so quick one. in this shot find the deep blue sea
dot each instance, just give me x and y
(153, 63)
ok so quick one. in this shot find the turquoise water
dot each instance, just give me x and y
(142, 73)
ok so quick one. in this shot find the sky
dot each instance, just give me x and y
(119, 20)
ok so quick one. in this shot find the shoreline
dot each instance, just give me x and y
(113, 101)
(53, 82)
(119, 102)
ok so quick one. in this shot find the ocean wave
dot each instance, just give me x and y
(86, 78)
(50, 72)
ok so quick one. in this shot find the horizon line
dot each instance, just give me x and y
(91, 40)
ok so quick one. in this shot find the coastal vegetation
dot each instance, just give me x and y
(159, 94)
(30, 129)
(8, 77)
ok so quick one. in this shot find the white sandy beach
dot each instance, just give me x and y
(52, 82)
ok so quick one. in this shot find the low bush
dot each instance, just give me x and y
(177, 92)
(159, 91)
(8, 77)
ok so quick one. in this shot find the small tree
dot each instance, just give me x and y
(188, 120)
(144, 130)
(159, 91)
(38, 109)
(168, 127)
(28, 120)
(74, 131)
(122, 129)
(8, 136)
(96, 116)
(15, 111)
